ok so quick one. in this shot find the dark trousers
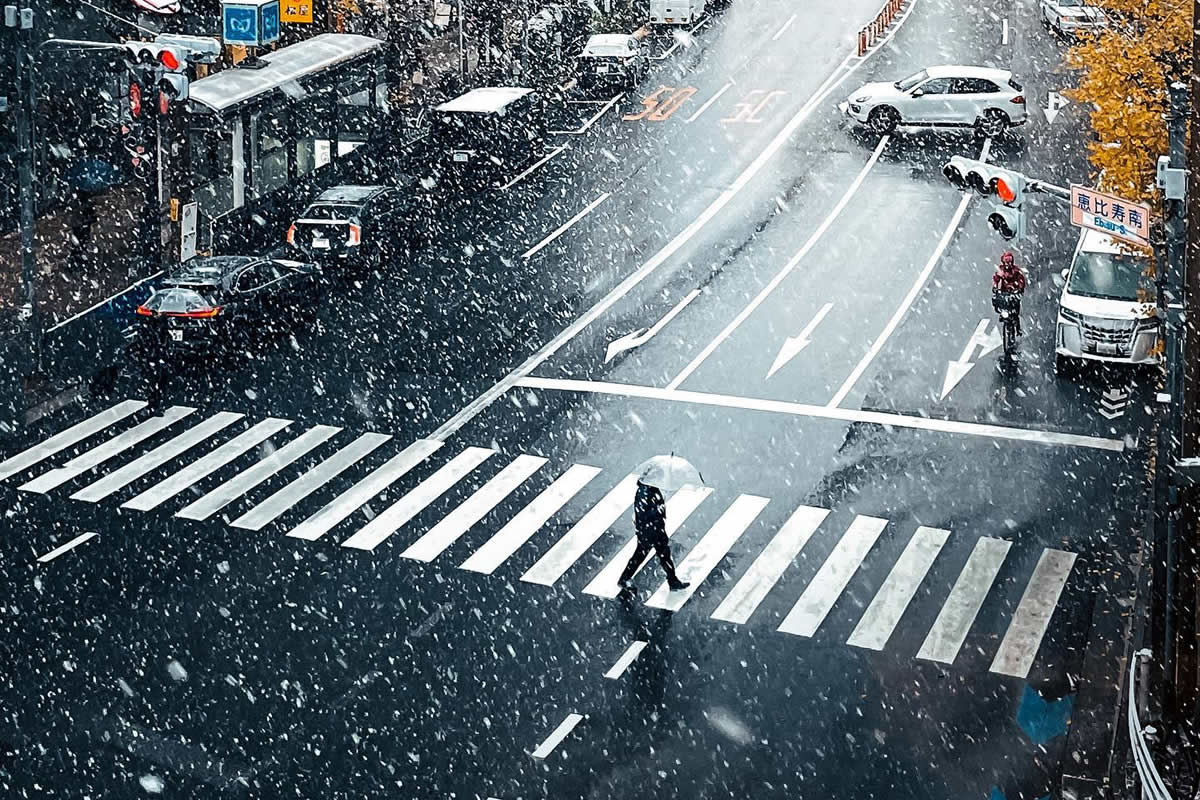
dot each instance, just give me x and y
(660, 545)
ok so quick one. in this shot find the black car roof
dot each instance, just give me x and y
(208, 270)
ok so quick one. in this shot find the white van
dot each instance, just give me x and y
(675, 12)
(1106, 310)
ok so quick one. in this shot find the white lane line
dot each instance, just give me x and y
(268, 510)
(587, 125)
(357, 495)
(702, 559)
(243, 482)
(627, 658)
(592, 206)
(61, 441)
(1049, 438)
(108, 299)
(553, 153)
(1004, 32)
(708, 103)
(679, 508)
(1032, 617)
(113, 447)
(883, 615)
(119, 479)
(521, 528)
(783, 30)
(583, 534)
(780, 276)
(561, 732)
(71, 545)
(911, 297)
(752, 588)
(203, 467)
(848, 66)
(414, 502)
(950, 629)
(833, 576)
(640, 337)
(473, 509)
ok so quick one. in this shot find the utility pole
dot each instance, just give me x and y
(462, 44)
(19, 20)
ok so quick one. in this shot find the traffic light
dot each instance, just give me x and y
(1008, 222)
(1007, 186)
(158, 75)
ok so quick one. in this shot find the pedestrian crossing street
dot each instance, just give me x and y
(176, 435)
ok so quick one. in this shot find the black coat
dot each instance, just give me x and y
(649, 513)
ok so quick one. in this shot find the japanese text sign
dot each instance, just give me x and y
(1109, 214)
(296, 11)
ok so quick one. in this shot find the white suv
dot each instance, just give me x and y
(989, 100)
(1106, 310)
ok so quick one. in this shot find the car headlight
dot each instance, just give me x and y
(1069, 315)
(855, 108)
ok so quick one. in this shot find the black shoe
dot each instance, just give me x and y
(676, 585)
(625, 588)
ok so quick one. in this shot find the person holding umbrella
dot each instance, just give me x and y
(650, 515)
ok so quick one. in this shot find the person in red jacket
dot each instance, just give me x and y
(1009, 279)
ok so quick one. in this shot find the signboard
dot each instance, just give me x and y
(187, 230)
(250, 22)
(296, 11)
(1110, 214)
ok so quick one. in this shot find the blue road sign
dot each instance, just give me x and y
(240, 25)
(270, 22)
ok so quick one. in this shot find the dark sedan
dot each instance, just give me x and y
(220, 301)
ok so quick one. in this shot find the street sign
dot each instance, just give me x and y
(296, 11)
(250, 22)
(1110, 214)
(187, 231)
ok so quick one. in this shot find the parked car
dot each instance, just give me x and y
(675, 12)
(488, 131)
(1072, 18)
(358, 225)
(610, 59)
(219, 301)
(989, 100)
(1106, 309)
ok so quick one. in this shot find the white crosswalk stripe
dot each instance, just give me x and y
(679, 508)
(360, 493)
(883, 615)
(93, 458)
(530, 519)
(473, 509)
(72, 435)
(201, 468)
(243, 482)
(399, 513)
(115, 481)
(831, 579)
(583, 534)
(269, 510)
(958, 613)
(768, 568)
(1032, 617)
(708, 552)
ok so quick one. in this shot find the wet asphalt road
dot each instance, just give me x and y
(943, 595)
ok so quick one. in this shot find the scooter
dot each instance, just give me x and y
(1008, 306)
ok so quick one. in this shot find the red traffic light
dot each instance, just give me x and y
(168, 59)
(1005, 192)
(135, 99)
(164, 103)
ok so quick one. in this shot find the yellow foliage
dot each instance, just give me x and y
(1126, 70)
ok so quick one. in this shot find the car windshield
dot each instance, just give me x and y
(1070, 3)
(905, 84)
(606, 50)
(335, 212)
(1109, 276)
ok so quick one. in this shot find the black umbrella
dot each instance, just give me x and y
(93, 175)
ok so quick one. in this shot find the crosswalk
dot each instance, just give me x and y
(185, 472)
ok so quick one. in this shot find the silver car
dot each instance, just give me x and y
(1071, 18)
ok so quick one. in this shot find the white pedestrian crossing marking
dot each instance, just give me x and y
(206, 465)
(761, 577)
(63, 548)
(357, 495)
(268, 510)
(1032, 617)
(91, 459)
(243, 482)
(564, 728)
(679, 508)
(583, 534)
(61, 441)
(627, 658)
(950, 629)
(474, 508)
(529, 519)
(115, 481)
(399, 513)
(883, 615)
(833, 576)
(702, 559)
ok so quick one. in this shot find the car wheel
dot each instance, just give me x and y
(884, 119)
(992, 124)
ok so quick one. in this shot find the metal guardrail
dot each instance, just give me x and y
(1153, 787)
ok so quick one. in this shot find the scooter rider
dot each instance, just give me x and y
(1009, 279)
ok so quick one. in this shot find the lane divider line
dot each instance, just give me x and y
(783, 30)
(587, 125)
(561, 732)
(592, 206)
(631, 653)
(710, 101)
(534, 168)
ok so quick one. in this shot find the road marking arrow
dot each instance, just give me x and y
(1113, 403)
(642, 335)
(985, 340)
(1055, 103)
(794, 344)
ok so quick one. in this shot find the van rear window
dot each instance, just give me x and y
(1014, 84)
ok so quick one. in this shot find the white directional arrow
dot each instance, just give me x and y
(642, 335)
(985, 340)
(794, 344)
(1055, 103)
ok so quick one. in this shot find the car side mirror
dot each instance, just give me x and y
(1060, 280)
(918, 92)
(1065, 273)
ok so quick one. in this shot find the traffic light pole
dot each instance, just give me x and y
(20, 19)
